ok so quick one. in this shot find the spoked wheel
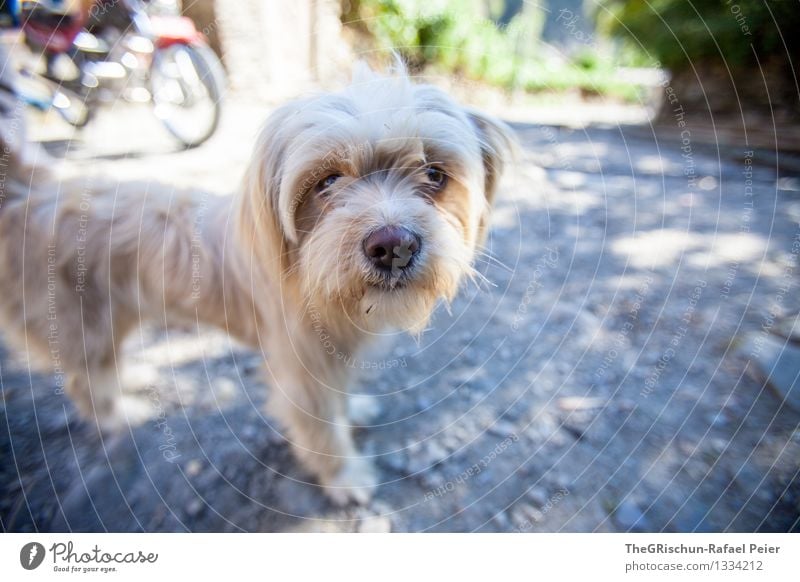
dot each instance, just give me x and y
(187, 85)
(45, 94)
(71, 107)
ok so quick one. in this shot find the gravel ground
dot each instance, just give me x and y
(605, 381)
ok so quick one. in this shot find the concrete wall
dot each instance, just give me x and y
(274, 48)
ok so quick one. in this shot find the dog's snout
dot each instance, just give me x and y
(391, 247)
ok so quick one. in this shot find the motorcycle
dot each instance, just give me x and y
(139, 51)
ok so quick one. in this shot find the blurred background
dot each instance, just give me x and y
(634, 366)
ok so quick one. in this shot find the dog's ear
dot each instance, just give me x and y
(259, 220)
(498, 146)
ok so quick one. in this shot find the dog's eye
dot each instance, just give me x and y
(327, 182)
(436, 178)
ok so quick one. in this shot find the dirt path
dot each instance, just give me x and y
(599, 385)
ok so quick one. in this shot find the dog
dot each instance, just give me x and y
(359, 211)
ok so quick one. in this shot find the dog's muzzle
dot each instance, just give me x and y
(391, 249)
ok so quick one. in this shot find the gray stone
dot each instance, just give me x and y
(252, 366)
(718, 445)
(435, 453)
(462, 378)
(225, 388)
(424, 403)
(524, 517)
(628, 516)
(502, 428)
(417, 463)
(538, 496)
(193, 467)
(397, 461)
(579, 403)
(249, 432)
(788, 327)
(433, 479)
(375, 524)
(501, 521)
(779, 361)
(194, 507)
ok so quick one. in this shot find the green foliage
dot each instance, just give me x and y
(454, 37)
(677, 33)
(451, 34)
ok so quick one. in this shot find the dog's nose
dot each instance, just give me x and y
(391, 247)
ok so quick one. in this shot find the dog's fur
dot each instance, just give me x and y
(279, 266)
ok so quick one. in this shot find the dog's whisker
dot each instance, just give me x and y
(479, 278)
(492, 260)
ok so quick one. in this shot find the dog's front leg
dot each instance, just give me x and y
(309, 395)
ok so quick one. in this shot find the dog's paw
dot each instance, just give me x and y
(362, 409)
(354, 483)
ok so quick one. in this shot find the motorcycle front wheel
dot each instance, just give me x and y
(45, 94)
(187, 87)
(72, 108)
